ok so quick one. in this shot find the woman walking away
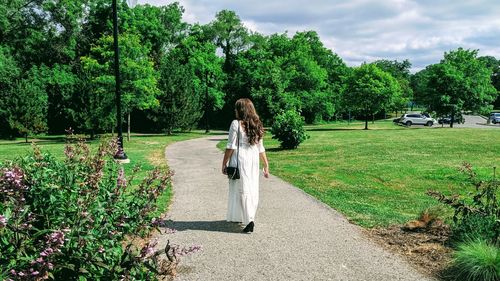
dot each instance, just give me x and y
(243, 150)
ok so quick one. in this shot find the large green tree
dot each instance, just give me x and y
(230, 35)
(159, 28)
(370, 90)
(299, 73)
(190, 83)
(459, 82)
(28, 103)
(494, 65)
(180, 104)
(400, 71)
(139, 81)
(9, 74)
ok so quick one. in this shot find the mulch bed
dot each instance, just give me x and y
(427, 248)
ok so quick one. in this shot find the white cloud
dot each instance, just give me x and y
(366, 30)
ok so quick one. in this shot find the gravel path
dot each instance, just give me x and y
(296, 237)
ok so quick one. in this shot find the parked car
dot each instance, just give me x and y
(459, 119)
(417, 119)
(495, 117)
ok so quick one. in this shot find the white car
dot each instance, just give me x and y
(416, 119)
(495, 117)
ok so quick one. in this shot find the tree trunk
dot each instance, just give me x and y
(452, 118)
(366, 121)
(207, 106)
(26, 136)
(128, 126)
(373, 118)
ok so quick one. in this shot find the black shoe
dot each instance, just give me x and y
(248, 228)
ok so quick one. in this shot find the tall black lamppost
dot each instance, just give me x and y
(207, 105)
(120, 154)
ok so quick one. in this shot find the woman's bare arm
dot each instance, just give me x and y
(265, 164)
(227, 155)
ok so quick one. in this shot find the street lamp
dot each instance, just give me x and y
(120, 154)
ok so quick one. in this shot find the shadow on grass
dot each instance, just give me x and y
(216, 226)
(354, 129)
(276, 149)
(36, 141)
(174, 134)
(333, 129)
(217, 139)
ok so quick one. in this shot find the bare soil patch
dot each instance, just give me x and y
(427, 248)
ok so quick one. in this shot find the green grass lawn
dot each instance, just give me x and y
(144, 150)
(379, 176)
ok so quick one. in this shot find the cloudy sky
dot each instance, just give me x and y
(367, 30)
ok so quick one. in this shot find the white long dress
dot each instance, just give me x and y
(243, 193)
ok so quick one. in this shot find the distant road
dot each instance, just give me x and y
(474, 121)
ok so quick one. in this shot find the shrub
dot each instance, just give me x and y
(68, 220)
(288, 128)
(477, 261)
(475, 226)
(476, 215)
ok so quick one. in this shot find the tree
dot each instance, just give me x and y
(494, 65)
(280, 73)
(159, 28)
(400, 71)
(337, 72)
(9, 74)
(191, 81)
(180, 104)
(460, 82)
(28, 105)
(139, 81)
(230, 35)
(370, 90)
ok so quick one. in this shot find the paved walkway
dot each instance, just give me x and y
(296, 237)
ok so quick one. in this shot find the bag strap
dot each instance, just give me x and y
(238, 149)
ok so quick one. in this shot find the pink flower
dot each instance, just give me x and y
(3, 221)
(121, 182)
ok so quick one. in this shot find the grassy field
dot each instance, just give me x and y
(144, 150)
(379, 177)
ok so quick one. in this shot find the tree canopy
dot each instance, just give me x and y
(370, 90)
(56, 61)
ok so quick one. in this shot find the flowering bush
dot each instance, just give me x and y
(67, 220)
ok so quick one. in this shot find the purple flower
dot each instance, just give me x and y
(35, 273)
(177, 251)
(148, 249)
(169, 230)
(12, 182)
(121, 182)
(69, 151)
(13, 272)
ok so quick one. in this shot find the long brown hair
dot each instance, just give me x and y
(245, 111)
